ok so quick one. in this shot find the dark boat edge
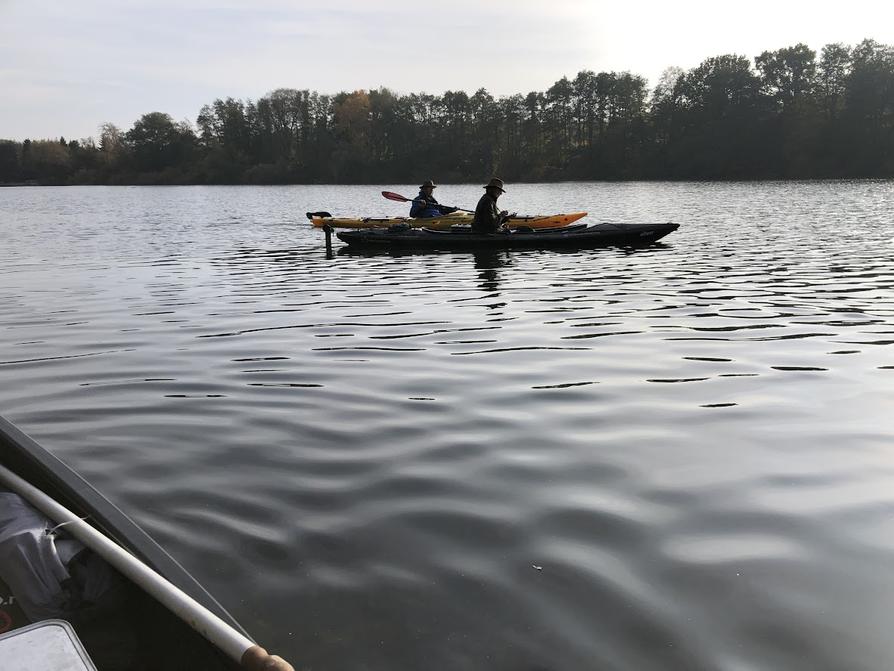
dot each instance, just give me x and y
(34, 462)
(29, 460)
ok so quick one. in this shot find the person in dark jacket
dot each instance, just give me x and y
(425, 204)
(488, 217)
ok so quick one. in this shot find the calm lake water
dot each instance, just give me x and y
(677, 457)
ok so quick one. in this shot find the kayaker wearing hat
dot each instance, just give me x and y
(488, 217)
(425, 204)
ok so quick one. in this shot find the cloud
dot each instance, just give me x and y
(117, 60)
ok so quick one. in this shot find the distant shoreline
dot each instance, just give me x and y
(743, 180)
(788, 114)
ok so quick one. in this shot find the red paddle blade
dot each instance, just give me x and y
(390, 195)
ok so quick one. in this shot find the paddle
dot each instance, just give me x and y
(390, 195)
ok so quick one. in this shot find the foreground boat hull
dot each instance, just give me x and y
(537, 222)
(576, 237)
(162, 640)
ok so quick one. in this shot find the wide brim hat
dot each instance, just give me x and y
(495, 183)
(428, 183)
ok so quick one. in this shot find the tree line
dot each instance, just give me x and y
(789, 114)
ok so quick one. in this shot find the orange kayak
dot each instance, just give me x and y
(535, 222)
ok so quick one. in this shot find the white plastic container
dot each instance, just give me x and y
(51, 645)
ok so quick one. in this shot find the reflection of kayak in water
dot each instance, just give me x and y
(579, 236)
(127, 599)
(536, 222)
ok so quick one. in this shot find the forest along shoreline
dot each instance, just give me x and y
(792, 114)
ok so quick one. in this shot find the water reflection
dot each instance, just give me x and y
(487, 262)
(625, 458)
(395, 252)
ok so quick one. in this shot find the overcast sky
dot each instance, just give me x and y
(68, 66)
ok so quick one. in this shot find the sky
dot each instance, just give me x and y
(68, 66)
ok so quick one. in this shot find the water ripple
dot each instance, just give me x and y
(673, 457)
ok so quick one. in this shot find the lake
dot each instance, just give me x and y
(674, 457)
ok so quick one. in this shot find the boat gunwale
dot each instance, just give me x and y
(591, 236)
(40, 467)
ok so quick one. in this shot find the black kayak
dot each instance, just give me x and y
(580, 236)
(138, 633)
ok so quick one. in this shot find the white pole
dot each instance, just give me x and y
(209, 625)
